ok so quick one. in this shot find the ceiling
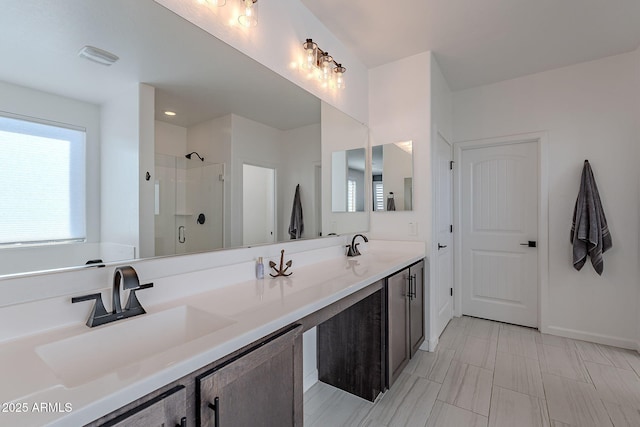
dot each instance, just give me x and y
(194, 73)
(480, 42)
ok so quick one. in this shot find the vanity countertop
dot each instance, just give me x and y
(32, 393)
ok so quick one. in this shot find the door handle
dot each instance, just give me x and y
(441, 246)
(181, 237)
(530, 243)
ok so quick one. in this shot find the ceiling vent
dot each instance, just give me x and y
(98, 55)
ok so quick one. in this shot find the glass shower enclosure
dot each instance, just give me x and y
(189, 205)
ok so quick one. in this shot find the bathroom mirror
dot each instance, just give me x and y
(230, 112)
(347, 180)
(392, 177)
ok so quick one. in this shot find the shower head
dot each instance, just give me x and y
(188, 156)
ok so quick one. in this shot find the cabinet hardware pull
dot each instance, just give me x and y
(530, 243)
(215, 406)
(183, 422)
(415, 286)
(441, 246)
(409, 292)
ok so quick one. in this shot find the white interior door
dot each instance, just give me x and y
(443, 264)
(258, 205)
(499, 208)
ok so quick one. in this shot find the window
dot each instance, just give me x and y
(351, 195)
(42, 176)
(378, 196)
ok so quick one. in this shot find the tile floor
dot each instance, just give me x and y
(487, 373)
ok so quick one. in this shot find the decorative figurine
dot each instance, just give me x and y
(282, 270)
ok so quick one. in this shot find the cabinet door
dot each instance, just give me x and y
(398, 315)
(167, 410)
(260, 387)
(416, 307)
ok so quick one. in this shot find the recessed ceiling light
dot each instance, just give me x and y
(169, 113)
(98, 55)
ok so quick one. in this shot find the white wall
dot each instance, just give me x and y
(127, 136)
(45, 106)
(408, 100)
(340, 132)
(300, 150)
(589, 111)
(170, 139)
(400, 110)
(146, 164)
(120, 156)
(277, 43)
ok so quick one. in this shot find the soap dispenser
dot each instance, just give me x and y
(259, 269)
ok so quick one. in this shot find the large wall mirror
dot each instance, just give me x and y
(392, 177)
(227, 143)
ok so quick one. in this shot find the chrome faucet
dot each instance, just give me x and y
(127, 278)
(352, 249)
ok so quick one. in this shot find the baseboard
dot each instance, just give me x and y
(429, 345)
(592, 337)
(309, 380)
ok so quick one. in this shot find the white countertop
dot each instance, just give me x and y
(254, 309)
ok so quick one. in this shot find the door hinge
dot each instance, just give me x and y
(451, 291)
(451, 228)
(451, 162)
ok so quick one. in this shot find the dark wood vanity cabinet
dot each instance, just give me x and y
(364, 341)
(259, 384)
(261, 387)
(168, 409)
(405, 317)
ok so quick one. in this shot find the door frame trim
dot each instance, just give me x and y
(542, 141)
(433, 269)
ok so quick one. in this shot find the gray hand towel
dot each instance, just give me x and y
(296, 224)
(589, 232)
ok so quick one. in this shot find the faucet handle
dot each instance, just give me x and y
(133, 306)
(98, 310)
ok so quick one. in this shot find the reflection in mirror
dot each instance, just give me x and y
(228, 108)
(347, 180)
(392, 176)
(189, 200)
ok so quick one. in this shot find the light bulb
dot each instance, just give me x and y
(249, 15)
(326, 67)
(339, 76)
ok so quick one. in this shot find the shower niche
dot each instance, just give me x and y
(189, 205)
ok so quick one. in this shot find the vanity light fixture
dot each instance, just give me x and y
(310, 55)
(98, 55)
(248, 13)
(316, 59)
(218, 3)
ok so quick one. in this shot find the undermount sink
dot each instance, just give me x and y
(119, 347)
